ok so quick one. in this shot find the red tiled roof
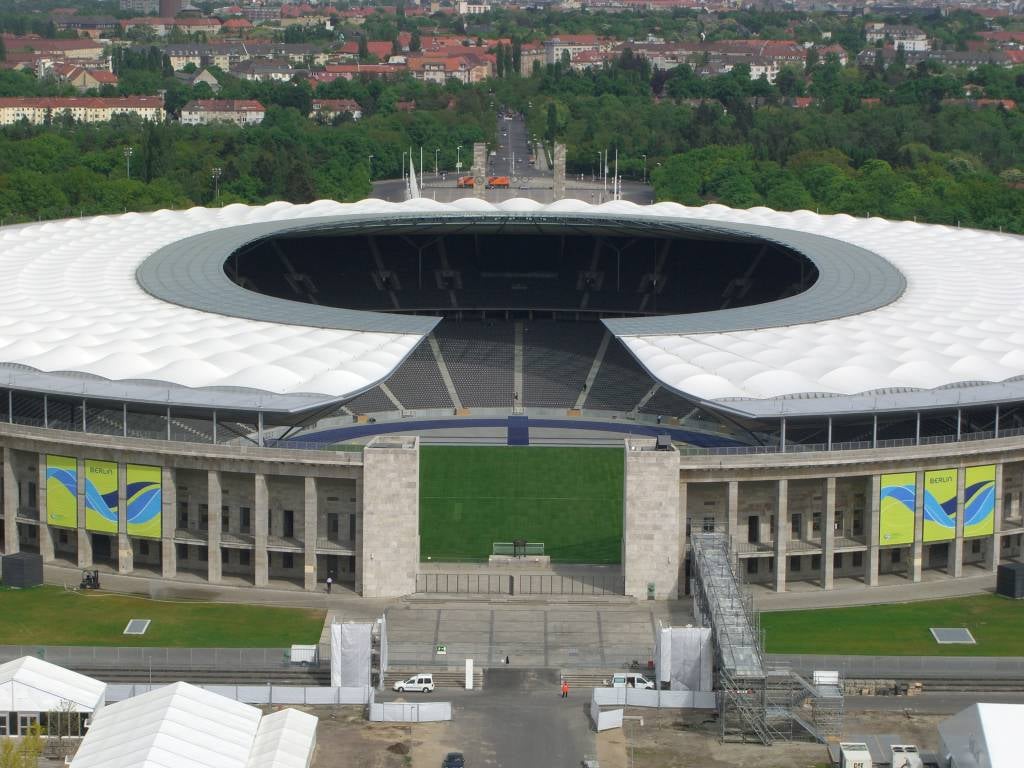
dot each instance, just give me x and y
(224, 105)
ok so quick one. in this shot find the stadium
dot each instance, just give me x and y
(271, 395)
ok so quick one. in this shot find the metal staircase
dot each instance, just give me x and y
(755, 703)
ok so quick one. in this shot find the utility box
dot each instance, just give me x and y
(1010, 580)
(22, 570)
(906, 756)
(854, 755)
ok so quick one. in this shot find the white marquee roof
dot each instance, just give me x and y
(73, 307)
(183, 726)
(984, 736)
(29, 684)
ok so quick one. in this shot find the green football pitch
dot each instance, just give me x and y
(568, 498)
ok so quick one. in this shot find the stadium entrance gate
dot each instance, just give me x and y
(586, 584)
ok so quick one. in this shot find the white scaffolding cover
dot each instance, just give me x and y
(285, 739)
(685, 658)
(29, 684)
(984, 736)
(351, 648)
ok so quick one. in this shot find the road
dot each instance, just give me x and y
(518, 719)
(510, 158)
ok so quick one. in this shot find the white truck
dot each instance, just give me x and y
(632, 680)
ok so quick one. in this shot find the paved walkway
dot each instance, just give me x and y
(893, 589)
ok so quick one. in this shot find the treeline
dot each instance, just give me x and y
(60, 171)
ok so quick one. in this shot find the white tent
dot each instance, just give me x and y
(983, 736)
(32, 685)
(285, 739)
(183, 726)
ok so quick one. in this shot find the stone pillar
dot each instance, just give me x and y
(11, 494)
(651, 537)
(917, 550)
(957, 569)
(309, 534)
(214, 502)
(732, 513)
(479, 170)
(168, 519)
(559, 188)
(84, 538)
(125, 555)
(388, 540)
(871, 532)
(828, 536)
(992, 550)
(781, 533)
(261, 519)
(45, 532)
(684, 543)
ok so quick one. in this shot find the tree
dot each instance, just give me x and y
(517, 55)
(499, 61)
(364, 48)
(552, 121)
(3, 50)
(414, 41)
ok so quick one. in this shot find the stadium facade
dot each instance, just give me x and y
(843, 394)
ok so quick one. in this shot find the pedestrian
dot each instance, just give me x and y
(330, 581)
(565, 689)
(507, 660)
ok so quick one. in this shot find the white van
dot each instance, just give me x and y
(423, 682)
(632, 680)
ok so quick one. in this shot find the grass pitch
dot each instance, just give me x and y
(51, 616)
(901, 629)
(568, 498)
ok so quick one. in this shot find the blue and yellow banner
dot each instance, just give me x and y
(940, 505)
(898, 494)
(144, 501)
(62, 491)
(101, 496)
(980, 500)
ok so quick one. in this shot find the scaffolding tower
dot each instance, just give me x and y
(754, 703)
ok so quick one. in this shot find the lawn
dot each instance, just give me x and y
(901, 629)
(568, 498)
(51, 616)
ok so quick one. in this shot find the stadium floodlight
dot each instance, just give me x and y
(128, 152)
(215, 174)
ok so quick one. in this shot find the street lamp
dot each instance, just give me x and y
(435, 163)
(645, 167)
(128, 152)
(369, 165)
(215, 174)
(404, 153)
(458, 158)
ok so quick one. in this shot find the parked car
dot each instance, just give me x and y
(423, 682)
(453, 760)
(631, 680)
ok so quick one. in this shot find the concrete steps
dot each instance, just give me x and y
(443, 678)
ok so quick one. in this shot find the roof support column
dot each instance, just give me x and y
(958, 427)
(782, 434)
(46, 411)
(259, 429)
(874, 430)
(917, 430)
(830, 433)
(168, 423)
(10, 406)
(995, 427)
(215, 427)
(85, 424)
(124, 419)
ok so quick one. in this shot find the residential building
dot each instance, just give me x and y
(573, 44)
(82, 78)
(38, 111)
(266, 70)
(238, 111)
(473, 7)
(140, 6)
(911, 38)
(326, 110)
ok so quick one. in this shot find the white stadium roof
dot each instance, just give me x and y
(947, 327)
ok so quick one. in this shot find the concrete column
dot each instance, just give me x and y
(917, 549)
(168, 518)
(45, 532)
(261, 518)
(992, 546)
(388, 555)
(781, 533)
(651, 539)
(958, 539)
(11, 493)
(309, 533)
(84, 539)
(683, 539)
(871, 532)
(732, 513)
(214, 501)
(828, 535)
(125, 555)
